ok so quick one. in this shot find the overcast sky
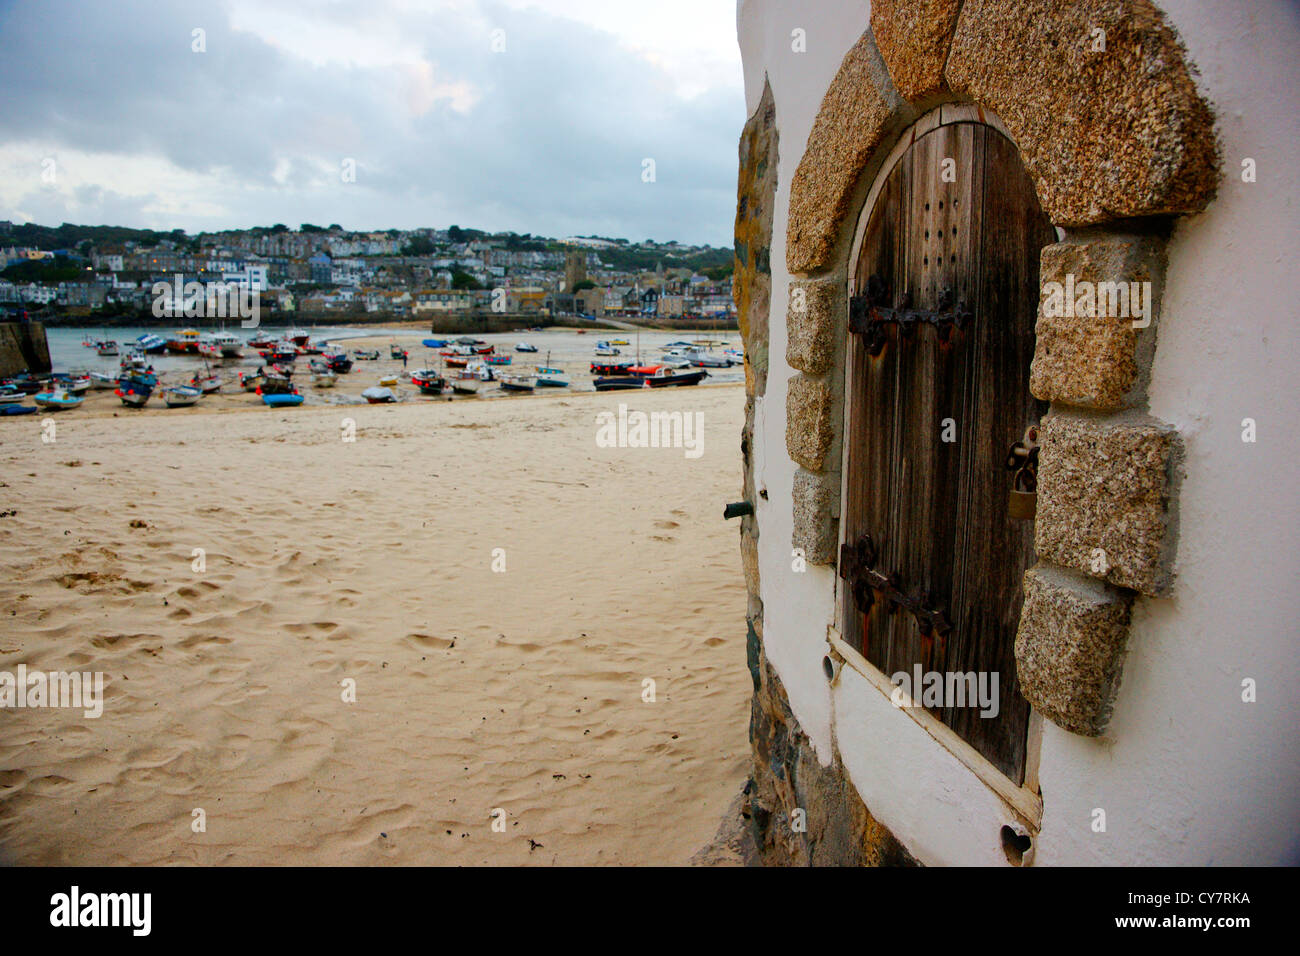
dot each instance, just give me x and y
(547, 136)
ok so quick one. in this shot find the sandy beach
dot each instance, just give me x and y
(518, 688)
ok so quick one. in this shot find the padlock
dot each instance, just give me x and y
(1023, 505)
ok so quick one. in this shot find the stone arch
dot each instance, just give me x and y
(1101, 102)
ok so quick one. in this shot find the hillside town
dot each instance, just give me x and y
(330, 274)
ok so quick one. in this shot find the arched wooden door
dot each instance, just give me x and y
(945, 293)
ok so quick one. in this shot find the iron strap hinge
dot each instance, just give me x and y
(856, 567)
(870, 313)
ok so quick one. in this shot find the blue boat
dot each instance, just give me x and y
(283, 398)
(17, 409)
(151, 344)
(57, 399)
(435, 343)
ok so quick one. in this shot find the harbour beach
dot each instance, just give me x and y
(492, 587)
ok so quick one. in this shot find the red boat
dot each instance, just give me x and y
(456, 361)
(611, 368)
(645, 371)
(485, 350)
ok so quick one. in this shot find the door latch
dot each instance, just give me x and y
(1022, 461)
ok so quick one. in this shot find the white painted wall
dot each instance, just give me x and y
(1188, 774)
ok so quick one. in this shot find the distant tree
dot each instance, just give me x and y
(335, 227)
(308, 227)
(456, 234)
(418, 246)
(279, 227)
(460, 279)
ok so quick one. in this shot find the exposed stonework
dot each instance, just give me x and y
(1099, 361)
(23, 348)
(1106, 134)
(859, 109)
(913, 36)
(809, 433)
(1070, 647)
(751, 286)
(816, 510)
(837, 829)
(814, 323)
(1103, 488)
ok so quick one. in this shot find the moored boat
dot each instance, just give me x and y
(184, 342)
(150, 344)
(369, 355)
(668, 376)
(525, 347)
(610, 368)
(376, 395)
(551, 377)
(181, 396)
(281, 399)
(608, 383)
(518, 383)
(57, 399)
(499, 359)
(428, 381)
(107, 348)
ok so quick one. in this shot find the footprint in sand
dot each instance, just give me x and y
(425, 641)
(667, 524)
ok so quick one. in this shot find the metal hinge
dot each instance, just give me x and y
(870, 313)
(856, 567)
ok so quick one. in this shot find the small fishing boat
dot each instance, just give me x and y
(282, 399)
(298, 337)
(499, 359)
(181, 396)
(485, 350)
(262, 341)
(458, 361)
(388, 380)
(525, 347)
(551, 377)
(610, 368)
(428, 381)
(136, 361)
(395, 351)
(369, 355)
(251, 382)
(675, 345)
(619, 342)
(466, 386)
(77, 384)
(151, 344)
(378, 396)
(702, 359)
(12, 409)
(275, 385)
(339, 364)
(434, 343)
(604, 348)
(25, 384)
(102, 380)
(608, 383)
(184, 342)
(323, 379)
(518, 383)
(107, 348)
(736, 354)
(207, 383)
(57, 399)
(280, 353)
(667, 376)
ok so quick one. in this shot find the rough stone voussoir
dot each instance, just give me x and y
(1070, 648)
(859, 108)
(813, 324)
(914, 36)
(816, 504)
(809, 434)
(1099, 360)
(1103, 499)
(1100, 99)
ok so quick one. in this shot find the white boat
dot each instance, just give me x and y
(230, 346)
(100, 380)
(525, 347)
(604, 348)
(180, 396)
(704, 359)
(378, 396)
(207, 383)
(107, 348)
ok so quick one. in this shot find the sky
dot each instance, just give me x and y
(536, 116)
